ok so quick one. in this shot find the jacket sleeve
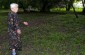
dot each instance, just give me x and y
(9, 17)
(9, 21)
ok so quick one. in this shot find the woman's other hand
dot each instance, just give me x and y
(25, 23)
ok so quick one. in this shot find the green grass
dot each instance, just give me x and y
(64, 10)
(48, 34)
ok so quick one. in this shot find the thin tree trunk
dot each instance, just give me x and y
(45, 7)
(69, 5)
(24, 9)
(83, 1)
(75, 12)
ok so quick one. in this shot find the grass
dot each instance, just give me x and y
(47, 34)
(64, 10)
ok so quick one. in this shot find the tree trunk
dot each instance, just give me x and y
(22, 5)
(83, 1)
(75, 12)
(68, 6)
(45, 7)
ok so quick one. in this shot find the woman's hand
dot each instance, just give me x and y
(25, 23)
(18, 31)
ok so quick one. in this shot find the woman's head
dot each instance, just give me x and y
(14, 7)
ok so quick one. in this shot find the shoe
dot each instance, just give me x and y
(19, 49)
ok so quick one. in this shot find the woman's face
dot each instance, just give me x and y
(14, 9)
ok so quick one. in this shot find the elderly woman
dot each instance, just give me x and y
(14, 28)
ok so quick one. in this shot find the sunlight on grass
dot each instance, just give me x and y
(64, 9)
(77, 9)
(58, 9)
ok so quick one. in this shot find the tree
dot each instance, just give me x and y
(24, 4)
(44, 5)
(69, 4)
(83, 2)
